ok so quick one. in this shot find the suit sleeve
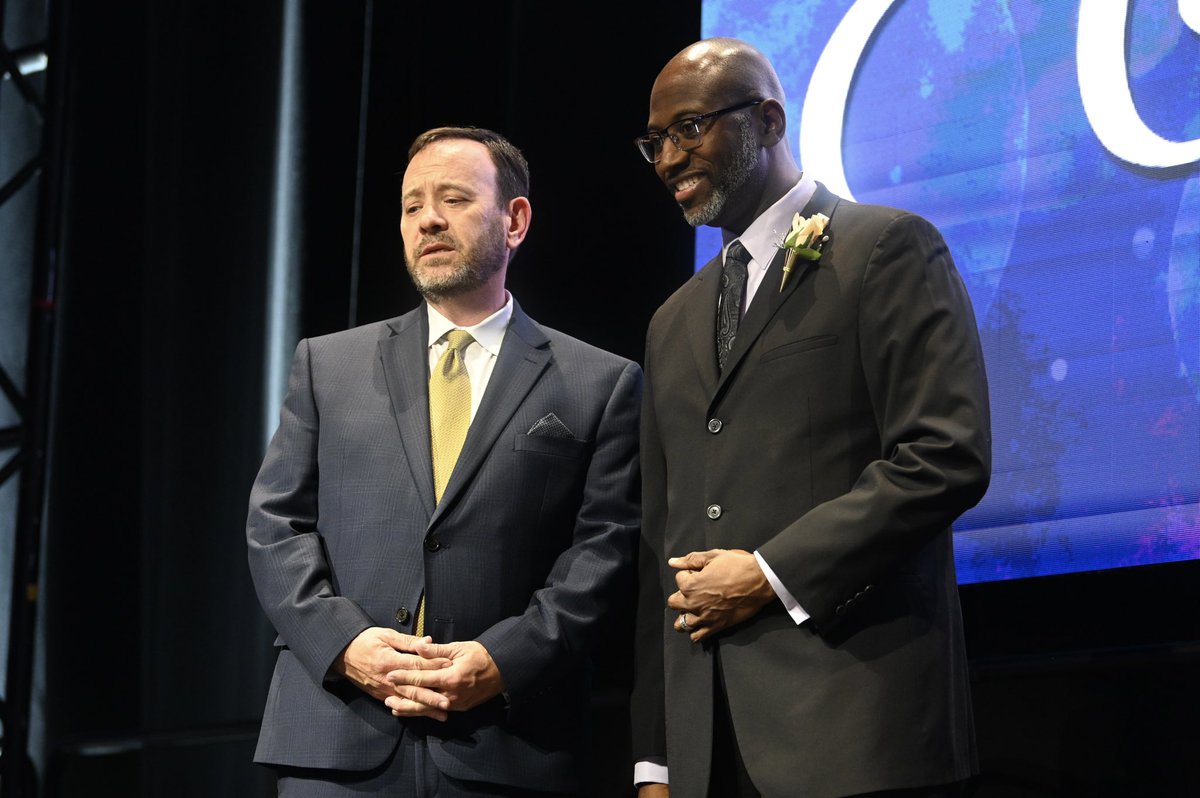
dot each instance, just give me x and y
(648, 700)
(924, 371)
(287, 558)
(558, 624)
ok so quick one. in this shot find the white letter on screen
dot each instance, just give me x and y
(829, 89)
(1104, 87)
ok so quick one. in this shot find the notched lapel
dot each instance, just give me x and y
(762, 308)
(768, 298)
(404, 354)
(702, 322)
(523, 358)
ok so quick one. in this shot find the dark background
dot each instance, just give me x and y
(154, 642)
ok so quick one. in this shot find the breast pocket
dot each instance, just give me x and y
(554, 469)
(546, 444)
(793, 348)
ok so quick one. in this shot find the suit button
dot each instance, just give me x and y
(432, 544)
(402, 615)
(714, 511)
(714, 425)
(840, 611)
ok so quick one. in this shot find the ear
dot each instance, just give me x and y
(774, 121)
(519, 214)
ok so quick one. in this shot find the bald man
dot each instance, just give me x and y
(808, 437)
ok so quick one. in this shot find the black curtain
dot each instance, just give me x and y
(156, 653)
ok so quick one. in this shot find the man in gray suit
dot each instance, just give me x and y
(809, 435)
(436, 588)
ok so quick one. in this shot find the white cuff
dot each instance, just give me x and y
(789, 601)
(649, 773)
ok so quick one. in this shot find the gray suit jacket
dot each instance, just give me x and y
(848, 430)
(524, 553)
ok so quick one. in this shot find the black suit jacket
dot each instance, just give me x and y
(532, 538)
(848, 430)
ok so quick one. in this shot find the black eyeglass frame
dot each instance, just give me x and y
(650, 145)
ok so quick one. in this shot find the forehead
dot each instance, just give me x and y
(685, 89)
(461, 162)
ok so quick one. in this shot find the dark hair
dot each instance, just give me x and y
(512, 171)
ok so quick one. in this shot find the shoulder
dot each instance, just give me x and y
(680, 297)
(364, 336)
(366, 332)
(565, 349)
(571, 350)
(879, 220)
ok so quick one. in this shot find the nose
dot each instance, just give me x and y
(668, 157)
(430, 219)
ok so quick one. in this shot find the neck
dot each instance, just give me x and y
(780, 180)
(468, 309)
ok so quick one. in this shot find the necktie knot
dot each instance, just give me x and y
(450, 364)
(736, 257)
(459, 339)
(733, 292)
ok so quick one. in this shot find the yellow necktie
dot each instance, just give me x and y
(449, 418)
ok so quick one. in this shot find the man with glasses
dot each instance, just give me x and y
(812, 425)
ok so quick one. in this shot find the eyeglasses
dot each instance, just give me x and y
(686, 135)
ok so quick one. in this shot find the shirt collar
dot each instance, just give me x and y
(767, 231)
(488, 333)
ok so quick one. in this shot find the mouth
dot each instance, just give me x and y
(685, 187)
(435, 248)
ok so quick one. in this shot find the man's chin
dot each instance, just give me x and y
(440, 286)
(439, 291)
(698, 217)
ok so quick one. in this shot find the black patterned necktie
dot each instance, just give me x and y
(729, 306)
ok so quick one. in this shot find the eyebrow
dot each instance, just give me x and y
(442, 187)
(687, 115)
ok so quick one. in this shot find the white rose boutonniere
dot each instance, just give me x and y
(804, 241)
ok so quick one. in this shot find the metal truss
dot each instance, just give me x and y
(26, 115)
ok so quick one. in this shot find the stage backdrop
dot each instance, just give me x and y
(1057, 146)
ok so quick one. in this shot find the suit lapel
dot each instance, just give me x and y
(769, 298)
(405, 356)
(702, 322)
(524, 355)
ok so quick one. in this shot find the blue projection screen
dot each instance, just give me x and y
(1057, 146)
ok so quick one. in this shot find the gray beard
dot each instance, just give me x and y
(745, 161)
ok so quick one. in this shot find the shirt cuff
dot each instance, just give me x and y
(789, 601)
(649, 773)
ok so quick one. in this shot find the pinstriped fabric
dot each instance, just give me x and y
(344, 500)
(449, 418)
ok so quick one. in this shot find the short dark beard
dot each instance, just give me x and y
(745, 161)
(475, 267)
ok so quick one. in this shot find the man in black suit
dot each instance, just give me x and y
(808, 437)
(436, 587)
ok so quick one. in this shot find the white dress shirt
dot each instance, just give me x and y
(479, 359)
(765, 234)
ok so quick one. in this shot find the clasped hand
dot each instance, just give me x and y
(414, 676)
(718, 589)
